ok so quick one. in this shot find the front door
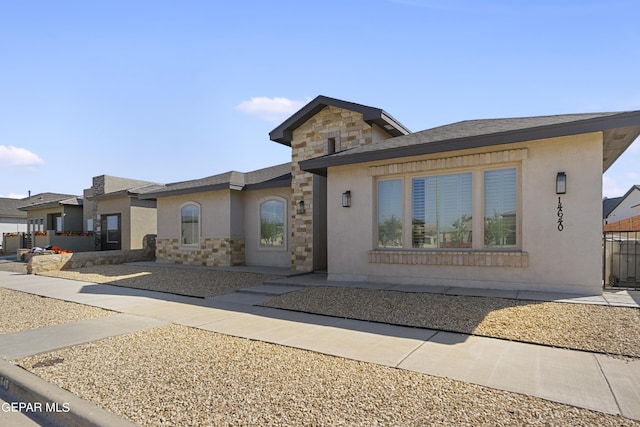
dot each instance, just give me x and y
(111, 234)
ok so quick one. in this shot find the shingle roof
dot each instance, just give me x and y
(49, 199)
(9, 208)
(133, 191)
(608, 205)
(279, 175)
(620, 130)
(274, 176)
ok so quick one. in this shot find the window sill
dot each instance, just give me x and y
(516, 259)
(190, 247)
(272, 248)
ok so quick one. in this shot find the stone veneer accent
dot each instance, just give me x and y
(97, 189)
(469, 259)
(53, 262)
(213, 252)
(492, 158)
(310, 140)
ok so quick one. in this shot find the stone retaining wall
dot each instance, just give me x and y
(41, 263)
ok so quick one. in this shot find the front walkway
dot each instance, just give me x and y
(582, 379)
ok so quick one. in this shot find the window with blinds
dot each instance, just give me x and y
(442, 208)
(500, 203)
(190, 225)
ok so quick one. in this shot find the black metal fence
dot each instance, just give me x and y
(621, 259)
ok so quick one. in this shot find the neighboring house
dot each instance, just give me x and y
(52, 211)
(232, 218)
(52, 220)
(12, 220)
(620, 208)
(115, 214)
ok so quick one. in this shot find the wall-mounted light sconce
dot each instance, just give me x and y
(346, 199)
(561, 183)
(300, 207)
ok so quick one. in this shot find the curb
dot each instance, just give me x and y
(52, 402)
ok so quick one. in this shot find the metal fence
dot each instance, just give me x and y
(621, 259)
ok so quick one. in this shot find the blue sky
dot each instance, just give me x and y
(168, 91)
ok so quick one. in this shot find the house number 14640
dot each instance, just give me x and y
(560, 214)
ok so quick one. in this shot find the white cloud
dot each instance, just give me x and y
(15, 196)
(270, 109)
(15, 156)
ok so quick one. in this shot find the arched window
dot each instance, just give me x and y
(190, 225)
(272, 223)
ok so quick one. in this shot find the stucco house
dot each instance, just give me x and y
(52, 211)
(115, 214)
(500, 203)
(232, 218)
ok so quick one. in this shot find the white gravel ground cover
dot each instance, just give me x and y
(20, 311)
(198, 282)
(178, 376)
(612, 330)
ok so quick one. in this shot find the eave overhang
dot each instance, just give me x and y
(619, 131)
(284, 133)
(182, 191)
(49, 205)
(275, 183)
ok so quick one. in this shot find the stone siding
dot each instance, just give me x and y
(347, 129)
(212, 252)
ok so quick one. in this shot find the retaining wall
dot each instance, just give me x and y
(42, 263)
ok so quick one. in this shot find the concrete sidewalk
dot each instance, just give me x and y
(582, 379)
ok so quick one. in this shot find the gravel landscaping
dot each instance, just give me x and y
(13, 266)
(176, 375)
(197, 282)
(20, 311)
(612, 330)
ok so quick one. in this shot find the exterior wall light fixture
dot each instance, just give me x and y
(346, 199)
(300, 207)
(561, 183)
